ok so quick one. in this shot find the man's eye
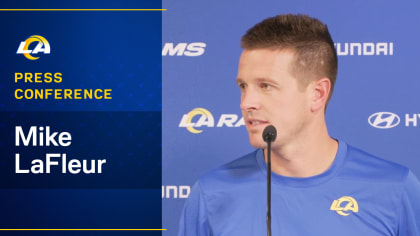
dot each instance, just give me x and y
(265, 86)
(242, 86)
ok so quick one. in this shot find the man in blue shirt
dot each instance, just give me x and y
(320, 185)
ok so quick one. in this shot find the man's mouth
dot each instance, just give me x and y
(254, 122)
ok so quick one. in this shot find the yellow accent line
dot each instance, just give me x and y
(77, 229)
(83, 9)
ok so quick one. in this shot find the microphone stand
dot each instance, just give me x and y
(269, 135)
(269, 188)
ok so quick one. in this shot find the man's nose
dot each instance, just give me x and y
(250, 100)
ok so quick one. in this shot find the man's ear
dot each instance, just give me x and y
(321, 89)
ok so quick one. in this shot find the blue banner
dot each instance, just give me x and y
(80, 117)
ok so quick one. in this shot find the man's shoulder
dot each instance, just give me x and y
(240, 170)
(362, 165)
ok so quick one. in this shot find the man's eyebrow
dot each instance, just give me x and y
(259, 80)
(268, 80)
(239, 81)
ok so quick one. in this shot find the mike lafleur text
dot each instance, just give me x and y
(40, 136)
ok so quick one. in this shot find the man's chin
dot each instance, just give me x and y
(257, 143)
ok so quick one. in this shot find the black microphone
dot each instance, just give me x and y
(269, 135)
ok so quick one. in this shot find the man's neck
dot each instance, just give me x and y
(309, 157)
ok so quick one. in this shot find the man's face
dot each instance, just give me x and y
(271, 95)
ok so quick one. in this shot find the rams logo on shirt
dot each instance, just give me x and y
(344, 205)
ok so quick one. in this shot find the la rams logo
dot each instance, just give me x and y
(206, 119)
(42, 46)
(344, 205)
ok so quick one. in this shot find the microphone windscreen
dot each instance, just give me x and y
(269, 133)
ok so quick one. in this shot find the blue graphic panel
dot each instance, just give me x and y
(94, 76)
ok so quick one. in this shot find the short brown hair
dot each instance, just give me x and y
(308, 38)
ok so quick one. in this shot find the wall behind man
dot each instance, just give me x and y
(200, 58)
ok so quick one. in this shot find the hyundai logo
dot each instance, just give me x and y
(384, 120)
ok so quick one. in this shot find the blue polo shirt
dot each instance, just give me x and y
(358, 195)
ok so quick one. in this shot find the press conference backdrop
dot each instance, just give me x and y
(375, 106)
